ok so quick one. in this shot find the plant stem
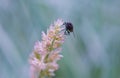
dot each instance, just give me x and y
(40, 76)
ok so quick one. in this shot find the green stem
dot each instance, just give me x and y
(40, 76)
(53, 42)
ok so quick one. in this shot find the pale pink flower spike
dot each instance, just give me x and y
(46, 53)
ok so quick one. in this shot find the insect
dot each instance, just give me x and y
(68, 28)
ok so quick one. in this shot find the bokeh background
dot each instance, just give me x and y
(94, 52)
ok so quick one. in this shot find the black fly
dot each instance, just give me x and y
(68, 28)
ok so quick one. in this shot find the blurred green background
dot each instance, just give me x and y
(94, 52)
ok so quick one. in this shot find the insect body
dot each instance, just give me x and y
(68, 28)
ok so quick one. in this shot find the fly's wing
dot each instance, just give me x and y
(73, 34)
